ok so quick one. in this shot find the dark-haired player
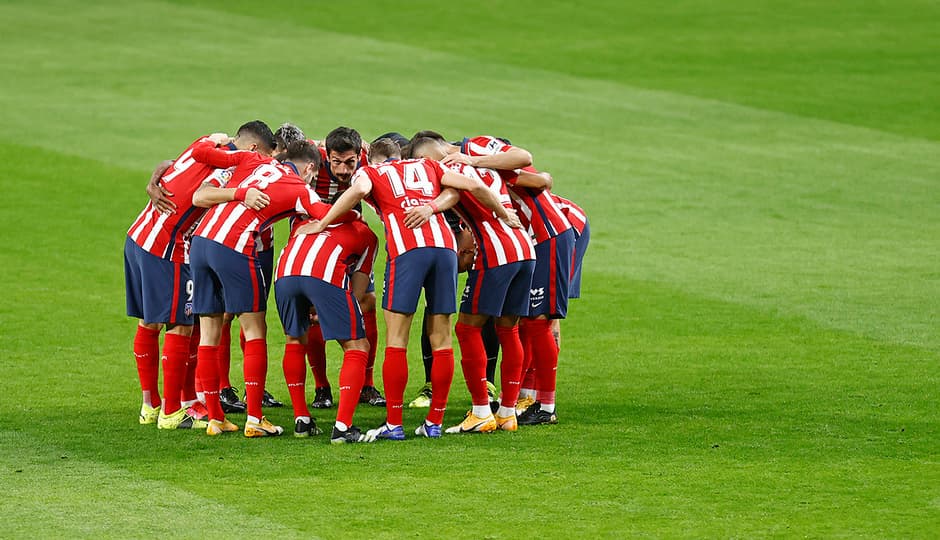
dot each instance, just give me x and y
(498, 288)
(227, 274)
(343, 154)
(422, 257)
(330, 272)
(158, 279)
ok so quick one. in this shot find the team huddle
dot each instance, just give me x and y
(201, 253)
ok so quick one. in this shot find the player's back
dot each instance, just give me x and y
(332, 255)
(166, 235)
(498, 243)
(402, 184)
(235, 225)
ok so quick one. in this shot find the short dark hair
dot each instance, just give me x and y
(428, 134)
(395, 136)
(419, 144)
(287, 134)
(260, 133)
(302, 151)
(343, 139)
(384, 149)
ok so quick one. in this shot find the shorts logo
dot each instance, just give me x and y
(536, 296)
(188, 309)
(466, 293)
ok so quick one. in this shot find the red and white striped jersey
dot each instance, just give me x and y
(332, 255)
(399, 185)
(573, 212)
(328, 186)
(236, 226)
(497, 243)
(167, 235)
(537, 211)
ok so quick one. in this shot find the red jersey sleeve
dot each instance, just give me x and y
(206, 152)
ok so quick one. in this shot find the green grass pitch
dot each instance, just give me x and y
(756, 350)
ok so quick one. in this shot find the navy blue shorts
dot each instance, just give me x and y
(549, 293)
(337, 309)
(497, 291)
(433, 269)
(580, 246)
(158, 290)
(225, 281)
(266, 258)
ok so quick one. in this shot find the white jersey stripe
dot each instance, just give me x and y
(331, 264)
(212, 217)
(143, 218)
(495, 242)
(436, 230)
(396, 234)
(245, 235)
(155, 231)
(227, 224)
(515, 241)
(291, 255)
(307, 268)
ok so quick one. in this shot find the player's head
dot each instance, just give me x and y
(255, 136)
(383, 150)
(305, 156)
(429, 134)
(343, 146)
(287, 134)
(400, 139)
(428, 147)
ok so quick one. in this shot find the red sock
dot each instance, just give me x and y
(442, 374)
(372, 334)
(528, 365)
(147, 353)
(207, 371)
(316, 356)
(188, 392)
(395, 378)
(510, 369)
(256, 370)
(295, 373)
(351, 375)
(472, 361)
(175, 355)
(546, 360)
(225, 356)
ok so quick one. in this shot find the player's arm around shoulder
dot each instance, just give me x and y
(209, 195)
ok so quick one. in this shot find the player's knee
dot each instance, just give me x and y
(367, 302)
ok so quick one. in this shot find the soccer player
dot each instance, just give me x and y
(554, 249)
(328, 271)
(342, 155)
(422, 257)
(228, 395)
(226, 271)
(497, 287)
(158, 283)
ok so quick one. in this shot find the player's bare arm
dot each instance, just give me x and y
(208, 196)
(417, 216)
(514, 158)
(539, 180)
(360, 187)
(483, 194)
(159, 195)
